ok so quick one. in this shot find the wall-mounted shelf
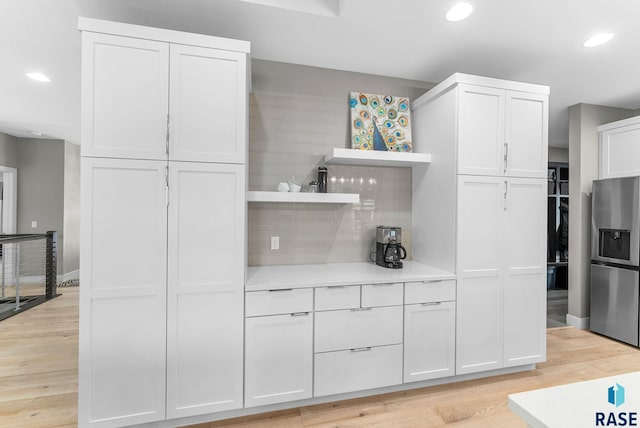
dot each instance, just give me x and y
(376, 158)
(303, 197)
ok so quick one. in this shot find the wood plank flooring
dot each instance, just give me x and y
(38, 380)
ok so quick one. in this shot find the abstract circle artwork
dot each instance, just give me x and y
(380, 122)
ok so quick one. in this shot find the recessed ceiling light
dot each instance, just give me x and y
(597, 40)
(38, 77)
(459, 11)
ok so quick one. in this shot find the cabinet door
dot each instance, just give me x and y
(429, 340)
(123, 296)
(357, 369)
(527, 118)
(481, 207)
(620, 151)
(205, 288)
(358, 328)
(208, 105)
(279, 358)
(525, 289)
(480, 130)
(125, 95)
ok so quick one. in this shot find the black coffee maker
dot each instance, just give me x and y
(389, 250)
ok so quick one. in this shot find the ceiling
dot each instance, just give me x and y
(531, 41)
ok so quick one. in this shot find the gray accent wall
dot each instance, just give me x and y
(297, 115)
(41, 188)
(48, 191)
(71, 217)
(584, 120)
(558, 154)
(8, 151)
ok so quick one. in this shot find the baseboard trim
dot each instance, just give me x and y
(577, 322)
(41, 278)
(74, 274)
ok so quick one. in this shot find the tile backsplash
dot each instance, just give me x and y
(297, 115)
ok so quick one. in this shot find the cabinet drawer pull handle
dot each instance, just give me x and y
(360, 309)
(281, 289)
(384, 285)
(336, 286)
(299, 314)
(368, 348)
(431, 303)
(427, 281)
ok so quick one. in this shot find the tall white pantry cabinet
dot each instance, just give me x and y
(479, 210)
(163, 224)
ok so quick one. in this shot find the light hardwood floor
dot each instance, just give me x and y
(38, 380)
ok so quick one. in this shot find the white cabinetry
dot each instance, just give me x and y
(205, 287)
(188, 101)
(123, 296)
(502, 132)
(429, 330)
(620, 148)
(360, 347)
(279, 346)
(490, 137)
(124, 78)
(163, 241)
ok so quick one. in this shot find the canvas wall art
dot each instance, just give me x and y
(380, 122)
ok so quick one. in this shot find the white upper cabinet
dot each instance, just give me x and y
(620, 148)
(502, 132)
(148, 99)
(498, 127)
(125, 97)
(207, 105)
(527, 130)
(481, 130)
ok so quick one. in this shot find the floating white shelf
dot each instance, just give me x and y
(376, 158)
(303, 197)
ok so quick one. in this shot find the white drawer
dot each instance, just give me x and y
(275, 302)
(381, 295)
(430, 291)
(338, 330)
(337, 297)
(358, 369)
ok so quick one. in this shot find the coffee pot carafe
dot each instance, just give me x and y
(389, 249)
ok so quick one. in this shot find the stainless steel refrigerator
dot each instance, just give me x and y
(615, 258)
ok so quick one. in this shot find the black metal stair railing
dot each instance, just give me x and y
(28, 264)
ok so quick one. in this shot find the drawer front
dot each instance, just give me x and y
(339, 297)
(350, 329)
(360, 369)
(278, 302)
(381, 295)
(430, 291)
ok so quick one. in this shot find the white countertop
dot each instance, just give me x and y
(317, 275)
(576, 404)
